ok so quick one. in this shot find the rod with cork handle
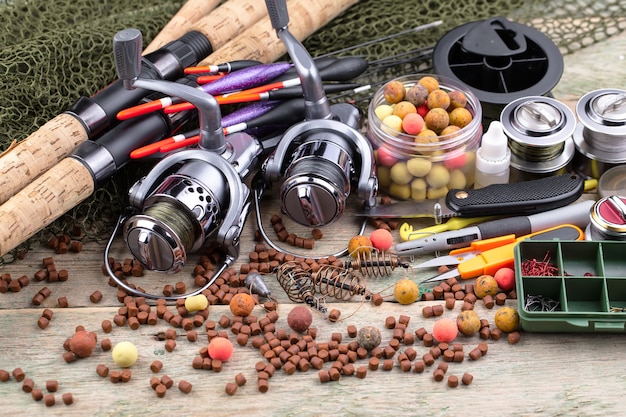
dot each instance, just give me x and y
(56, 192)
(190, 13)
(260, 42)
(90, 117)
(76, 177)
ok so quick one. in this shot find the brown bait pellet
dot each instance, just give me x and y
(485, 333)
(419, 333)
(428, 359)
(427, 312)
(43, 323)
(513, 337)
(352, 330)
(95, 297)
(263, 385)
(390, 322)
(500, 298)
(115, 376)
(373, 364)
(334, 315)
(67, 398)
(437, 310)
(184, 386)
(230, 388)
(107, 326)
(453, 381)
(438, 375)
(428, 340)
(37, 394)
(459, 356)
(160, 390)
(69, 357)
(377, 299)
(167, 381)
(105, 344)
(419, 367)
(240, 380)
(18, 374)
(475, 354)
(4, 375)
(450, 303)
(125, 375)
(467, 378)
(448, 355)
(49, 400)
(496, 333)
(324, 376)
(156, 366)
(488, 301)
(28, 385)
(102, 370)
(52, 385)
(63, 302)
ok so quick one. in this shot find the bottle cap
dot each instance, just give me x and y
(493, 156)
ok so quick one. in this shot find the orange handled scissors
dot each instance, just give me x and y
(489, 255)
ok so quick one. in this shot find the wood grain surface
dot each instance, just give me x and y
(544, 374)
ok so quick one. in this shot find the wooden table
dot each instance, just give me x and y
(543, 374)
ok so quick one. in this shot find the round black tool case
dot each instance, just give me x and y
(500, 61)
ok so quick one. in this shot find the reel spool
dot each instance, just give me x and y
(500, 61)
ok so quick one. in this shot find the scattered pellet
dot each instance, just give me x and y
(230, 388)
(18, 374)
(160, 390)
(28, 385)
(43, 323)
(67, 398)
(156, 366)
(52, 385)
(453, 381)
(49, 400)
(4, 375)
(102, 370)
(184, 386)
(513, 337)
(467, 378)
(37, 394)
(63, 302)
(95, 297)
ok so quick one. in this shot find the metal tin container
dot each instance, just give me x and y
(540, 137)
(600, 136)
(607, 219)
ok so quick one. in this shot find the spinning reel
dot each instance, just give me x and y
(191, 196)
(322, 158)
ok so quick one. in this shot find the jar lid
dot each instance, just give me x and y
(612, 182)
(538, 121)
(603, 111)
(609, 215)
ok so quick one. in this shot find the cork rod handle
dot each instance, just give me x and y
(179, 24)
(260, 42)
(44, 200)
(38, 152)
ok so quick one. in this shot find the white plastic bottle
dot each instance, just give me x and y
(493, 157)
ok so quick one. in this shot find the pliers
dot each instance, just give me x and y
(488, 255)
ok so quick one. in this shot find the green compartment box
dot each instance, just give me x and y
(586, 291)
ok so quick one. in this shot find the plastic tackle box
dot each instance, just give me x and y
(587, 292)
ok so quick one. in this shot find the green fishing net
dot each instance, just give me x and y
(53, 52)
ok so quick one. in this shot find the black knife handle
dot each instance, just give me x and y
(522, 198)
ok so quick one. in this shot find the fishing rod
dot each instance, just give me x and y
(89, 117)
